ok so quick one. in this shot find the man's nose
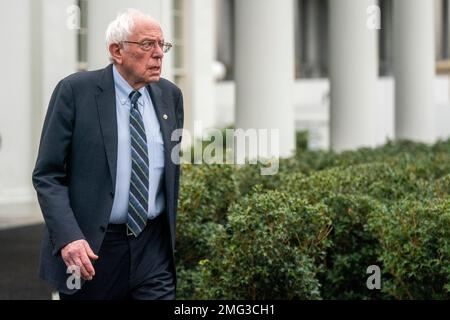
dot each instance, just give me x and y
(158, 52)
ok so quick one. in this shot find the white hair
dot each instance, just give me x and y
(120, 28)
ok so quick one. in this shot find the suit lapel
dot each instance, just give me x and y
(167, 123)
(165, 117)
(106, 107)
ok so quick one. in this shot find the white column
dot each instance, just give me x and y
(102, 12)
(45, 48)
(201, 58)
(16, 121)
(414, 68)
(264, 68)
(59, 44)
(54, 42)
(353, 74)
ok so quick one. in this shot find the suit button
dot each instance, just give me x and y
(112, 194)
(102, 229)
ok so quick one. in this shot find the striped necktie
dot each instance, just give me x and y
(138, 199)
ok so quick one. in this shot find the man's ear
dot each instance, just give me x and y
(115, 51)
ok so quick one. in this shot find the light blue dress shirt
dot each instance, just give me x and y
(155, 146)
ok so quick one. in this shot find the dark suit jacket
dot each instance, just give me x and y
(75, 171)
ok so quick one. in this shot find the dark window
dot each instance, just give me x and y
(82, 36)
(445, 42)
(225, 36)
(311, 39)
(385, 48)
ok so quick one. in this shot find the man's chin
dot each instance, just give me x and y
(153, 79)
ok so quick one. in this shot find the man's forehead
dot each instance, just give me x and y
(146, 24)
(147, 31)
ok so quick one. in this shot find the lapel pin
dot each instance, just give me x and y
(165, 116)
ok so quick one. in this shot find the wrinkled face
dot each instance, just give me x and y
(137, 66)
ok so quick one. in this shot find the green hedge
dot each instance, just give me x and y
(414, 247)
(311, 231)
(272, 248)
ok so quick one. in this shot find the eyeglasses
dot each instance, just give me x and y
(148, 45)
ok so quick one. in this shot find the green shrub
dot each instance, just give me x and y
(301, 141)
(242, 235)
(383, 181)
(188, 278)
(202, 209)
(351, 195)
(442, 187)
(273, 248)
(353, 249)
(414, 242)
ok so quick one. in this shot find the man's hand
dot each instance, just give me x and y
(79, 253)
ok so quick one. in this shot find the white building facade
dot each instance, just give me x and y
(352, 72)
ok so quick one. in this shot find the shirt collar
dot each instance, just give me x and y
(123, 89)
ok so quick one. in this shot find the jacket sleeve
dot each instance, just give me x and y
(50, 178)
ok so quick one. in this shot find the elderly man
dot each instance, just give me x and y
(104, 176)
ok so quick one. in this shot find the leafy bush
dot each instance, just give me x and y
(311, 230)
(202, 209)
(353, 249)
(415, 248)
(273, 249)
